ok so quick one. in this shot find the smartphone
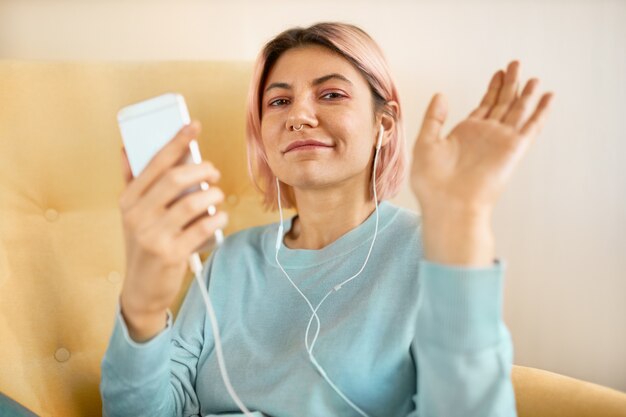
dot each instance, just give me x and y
(147, 126)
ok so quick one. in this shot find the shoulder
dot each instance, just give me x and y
(404, 220)
(403, 232)
(251, 238)
(245, 237)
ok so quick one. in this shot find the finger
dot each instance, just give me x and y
(206, 246)
(508, 93)
(167, 157)
(200, 231)
(434, 119)
(517, 114)
(535, 123)
(189, 209)
(490, 96)
(168, 189)
(126, 171)
(177, 180)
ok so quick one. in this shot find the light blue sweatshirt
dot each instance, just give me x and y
(407, 337)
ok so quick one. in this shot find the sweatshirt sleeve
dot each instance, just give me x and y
(156, 377)
(462, 348)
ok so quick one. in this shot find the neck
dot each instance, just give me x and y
(326, 215)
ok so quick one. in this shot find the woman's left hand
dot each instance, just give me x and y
(466, 171)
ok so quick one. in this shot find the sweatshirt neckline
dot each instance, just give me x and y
(346, 243)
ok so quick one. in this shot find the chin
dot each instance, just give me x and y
(307, 183)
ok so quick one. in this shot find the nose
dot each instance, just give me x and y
(301, 112)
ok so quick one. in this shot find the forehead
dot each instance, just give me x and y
(306, 63)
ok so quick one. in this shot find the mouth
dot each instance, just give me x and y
(306, 145)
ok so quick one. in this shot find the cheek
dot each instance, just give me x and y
(268, 132)
(350, 121)
(272, 124)
(269, 138)
(353, 132)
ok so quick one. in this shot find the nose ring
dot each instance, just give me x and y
(298, 129)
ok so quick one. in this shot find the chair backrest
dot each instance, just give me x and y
(61, 241)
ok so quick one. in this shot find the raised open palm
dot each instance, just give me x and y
(468, 169)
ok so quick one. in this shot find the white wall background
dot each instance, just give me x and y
(560, 225)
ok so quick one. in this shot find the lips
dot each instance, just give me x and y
(307, 142)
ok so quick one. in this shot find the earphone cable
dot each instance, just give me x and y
(336, 288)
(196, 266)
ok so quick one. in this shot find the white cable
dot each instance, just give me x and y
(196, 266)
(311, 357)
(336, 288)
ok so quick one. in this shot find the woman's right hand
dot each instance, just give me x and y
(161, 231)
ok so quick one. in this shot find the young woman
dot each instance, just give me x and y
(354, 306)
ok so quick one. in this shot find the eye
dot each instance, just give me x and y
(337, 95)
(271, 103)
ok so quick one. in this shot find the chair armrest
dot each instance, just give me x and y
(541, 393)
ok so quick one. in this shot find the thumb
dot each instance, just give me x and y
(126, 172)
(434, 119)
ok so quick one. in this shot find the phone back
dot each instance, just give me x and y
(148, 125)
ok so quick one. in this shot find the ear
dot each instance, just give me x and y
(387, 120)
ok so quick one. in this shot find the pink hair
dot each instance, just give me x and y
(362, 51)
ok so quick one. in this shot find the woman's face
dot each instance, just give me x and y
(320, 90)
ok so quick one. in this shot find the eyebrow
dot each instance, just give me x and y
(316, 81)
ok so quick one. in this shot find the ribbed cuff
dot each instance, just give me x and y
(133, 361)
(460, 308)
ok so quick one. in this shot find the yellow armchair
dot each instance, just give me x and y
(61, 242)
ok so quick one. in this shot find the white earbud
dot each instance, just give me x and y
(380, 137)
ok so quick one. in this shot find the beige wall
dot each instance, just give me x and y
(561, 224)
